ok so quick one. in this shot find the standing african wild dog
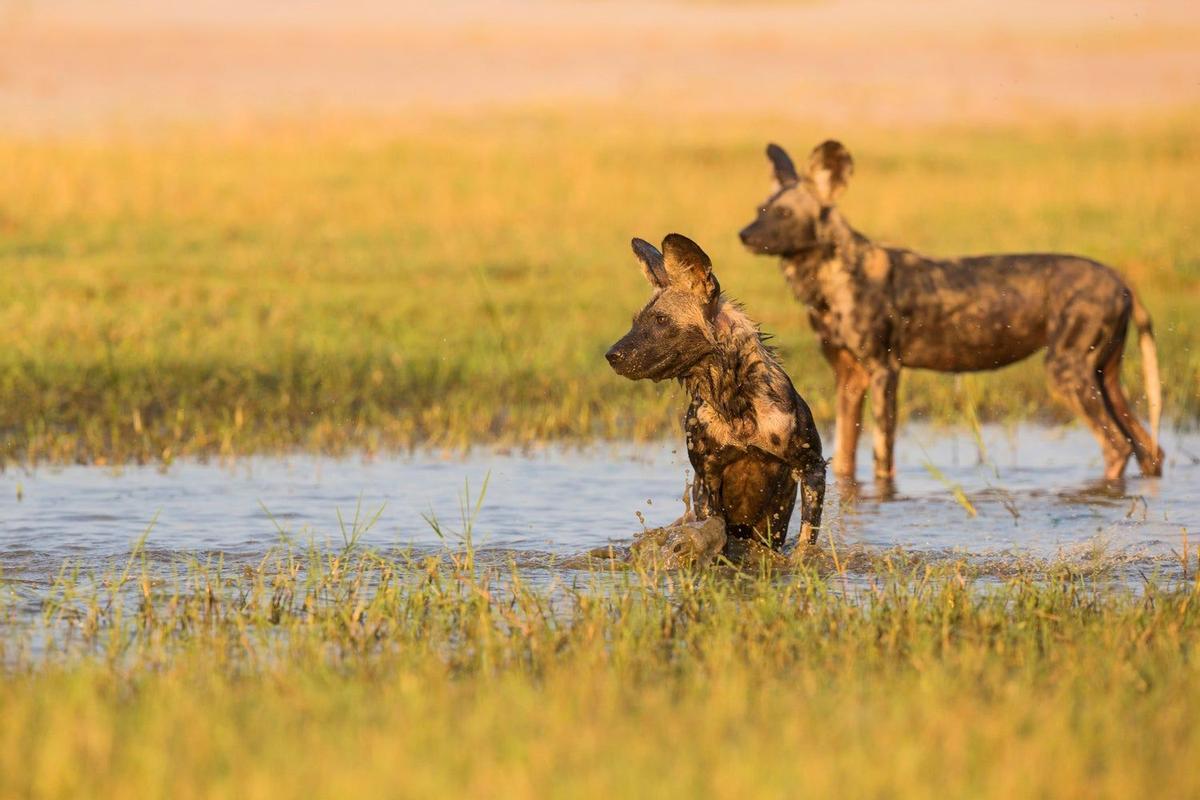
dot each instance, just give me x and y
(750, 436)
(877, 309)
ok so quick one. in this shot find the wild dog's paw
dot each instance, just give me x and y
(686, 544)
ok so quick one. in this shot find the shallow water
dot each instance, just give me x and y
(1034, 490)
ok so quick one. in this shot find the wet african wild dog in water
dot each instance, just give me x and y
(878, 309)
(750, 436)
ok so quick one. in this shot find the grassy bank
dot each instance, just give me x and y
(351, 674)
(381, 285)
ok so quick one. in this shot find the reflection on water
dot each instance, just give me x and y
(1017, 494)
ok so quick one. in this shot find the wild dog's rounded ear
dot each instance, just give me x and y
(652, 263)
(785, 170)
(830, 167)
(689, 267)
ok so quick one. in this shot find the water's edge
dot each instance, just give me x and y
(1027, 492)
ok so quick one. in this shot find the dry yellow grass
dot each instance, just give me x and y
(371, 284)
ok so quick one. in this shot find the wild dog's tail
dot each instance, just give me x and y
(1141, 318)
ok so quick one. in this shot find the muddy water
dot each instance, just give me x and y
(1014, 495)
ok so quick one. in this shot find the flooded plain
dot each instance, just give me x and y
(1007, 497)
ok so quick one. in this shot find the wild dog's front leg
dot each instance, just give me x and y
(884, 382)
(852, 382)
(706, 491)
(811, 476)
(703, 454)
(803, 455)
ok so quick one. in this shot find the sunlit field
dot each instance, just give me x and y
(369, 285)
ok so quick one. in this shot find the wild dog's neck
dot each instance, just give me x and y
(834, 239)
(737, 361)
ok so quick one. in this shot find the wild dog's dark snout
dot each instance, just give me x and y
(756, 237)
(623, 358)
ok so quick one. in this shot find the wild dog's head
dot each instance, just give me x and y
(792, 218)
(674, 331)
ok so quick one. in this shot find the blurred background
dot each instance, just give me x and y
(69, 64)
(245, 226)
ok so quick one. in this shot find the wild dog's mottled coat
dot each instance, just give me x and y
(750, 437)
(877, 309)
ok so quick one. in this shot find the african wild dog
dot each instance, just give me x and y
(877, 309)
(750, 436)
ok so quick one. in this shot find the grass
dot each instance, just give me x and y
(372, 285)
(350, 673)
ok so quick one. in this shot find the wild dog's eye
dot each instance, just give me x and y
(782, 212)
(661, 319)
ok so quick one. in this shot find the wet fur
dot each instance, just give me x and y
(879, 309)
(750, 436)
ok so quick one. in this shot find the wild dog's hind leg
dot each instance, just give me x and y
(1077, 381)
(852, 383)
(884, 382)
(1149, 458)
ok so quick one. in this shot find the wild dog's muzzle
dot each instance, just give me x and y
(630, 358)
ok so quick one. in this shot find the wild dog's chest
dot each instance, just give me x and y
(854, 309)
(765, 426)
